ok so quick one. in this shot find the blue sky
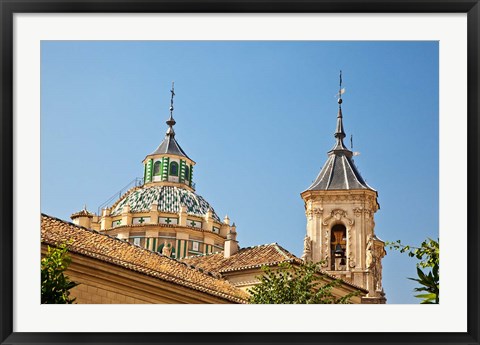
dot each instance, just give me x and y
(258, 117)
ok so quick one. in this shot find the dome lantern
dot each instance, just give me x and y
(169, 164)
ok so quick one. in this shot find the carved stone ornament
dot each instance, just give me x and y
(351, 262)
(309, 214)
(318, 212)
(338, 214)
(326, 242)
(324, 261)
(369, 261)
(368, 213)
(349, 236)
(357, 211)
(307, 249)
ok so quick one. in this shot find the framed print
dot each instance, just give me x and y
(233, 176)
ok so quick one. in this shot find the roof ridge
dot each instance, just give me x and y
(284, 251)
(259, 245)
(199, 255)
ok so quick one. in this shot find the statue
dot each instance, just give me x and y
(369, 258)
(380, 253)
(167, 249)
(307, 249)
(373, 261)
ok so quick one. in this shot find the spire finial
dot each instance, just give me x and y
(340, 91)
(172, 91)
(339, 132)
(171, 122)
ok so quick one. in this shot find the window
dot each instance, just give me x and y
(187, 173)
(157, 168)
(174, 169)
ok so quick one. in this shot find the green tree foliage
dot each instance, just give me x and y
(291, 284)
(428, 253)
(55, 285)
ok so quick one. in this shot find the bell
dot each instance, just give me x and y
(338, 250)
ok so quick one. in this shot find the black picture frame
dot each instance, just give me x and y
(9, 8)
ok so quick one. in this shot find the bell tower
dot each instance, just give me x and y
(340, 208)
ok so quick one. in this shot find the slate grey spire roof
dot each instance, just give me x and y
(339, 171)
(169, 144)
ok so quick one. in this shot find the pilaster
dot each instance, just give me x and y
(154, 214)
(126, 215)
(182, 217)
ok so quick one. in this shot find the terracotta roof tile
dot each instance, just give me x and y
(118, 252)
(250, 257)
(245, 258)
(81, 213)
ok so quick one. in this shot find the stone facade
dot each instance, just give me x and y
(102, 283)
(354, 211)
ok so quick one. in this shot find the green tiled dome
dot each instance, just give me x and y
(169, 199)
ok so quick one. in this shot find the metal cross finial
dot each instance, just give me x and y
(340, 91)
(172, 91)
(171, 122)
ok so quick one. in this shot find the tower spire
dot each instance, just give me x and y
(171, 122)
(339, 132)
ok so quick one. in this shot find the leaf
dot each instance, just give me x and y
(426, 295)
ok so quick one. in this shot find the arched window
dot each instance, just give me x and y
(338, 247)
(157, 168)
(187, 173)
(174, 169)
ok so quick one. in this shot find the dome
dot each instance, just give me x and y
(168, 198)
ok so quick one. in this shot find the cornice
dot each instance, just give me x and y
(188, 229)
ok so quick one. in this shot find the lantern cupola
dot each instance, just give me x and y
(169, 164)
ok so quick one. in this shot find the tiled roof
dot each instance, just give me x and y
(169, 199)
(81, 213)
(245, 258)
(250, 257)
(339, 171)
(121, 253)
(170, 145)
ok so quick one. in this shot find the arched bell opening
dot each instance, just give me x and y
(338, 247)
